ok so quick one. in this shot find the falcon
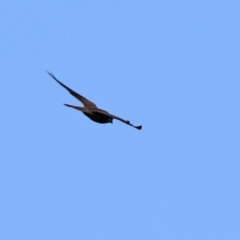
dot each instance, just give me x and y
(90, 110)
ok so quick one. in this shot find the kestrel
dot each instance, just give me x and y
(91, 110)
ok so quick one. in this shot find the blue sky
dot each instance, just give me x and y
(172, 66)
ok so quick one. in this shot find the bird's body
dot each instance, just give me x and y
(90, 109)
(99, 117)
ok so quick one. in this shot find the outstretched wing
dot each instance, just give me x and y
(118, 118)
(125, 121)
(85, 101)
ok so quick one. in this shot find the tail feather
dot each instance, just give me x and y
(82, 109)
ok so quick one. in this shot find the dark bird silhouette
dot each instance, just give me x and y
(91, 110)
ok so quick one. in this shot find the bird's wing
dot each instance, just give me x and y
(118, 118)
(82, 99)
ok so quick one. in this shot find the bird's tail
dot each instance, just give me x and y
(82, 109)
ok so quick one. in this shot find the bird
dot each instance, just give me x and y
(90, 110)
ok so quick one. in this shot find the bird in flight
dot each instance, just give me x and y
(90, 109)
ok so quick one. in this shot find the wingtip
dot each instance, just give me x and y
(51, 74)
(139, 127)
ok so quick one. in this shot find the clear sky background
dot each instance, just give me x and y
(172, 66)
